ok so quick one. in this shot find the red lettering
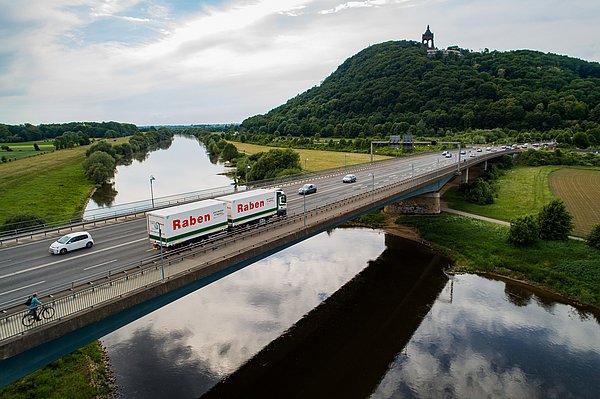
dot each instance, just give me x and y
(250, 206)
(178, 224)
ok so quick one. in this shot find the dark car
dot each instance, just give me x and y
(349, 179)
(307, 189)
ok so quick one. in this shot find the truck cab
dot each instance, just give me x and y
(281, 202)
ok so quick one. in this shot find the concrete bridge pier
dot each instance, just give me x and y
(425, 204)
(464, 176)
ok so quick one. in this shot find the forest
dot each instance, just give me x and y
(396, 88)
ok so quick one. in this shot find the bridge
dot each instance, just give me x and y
(122, 278)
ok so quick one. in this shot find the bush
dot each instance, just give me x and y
(22, 221)
(480, 192)
(99, 167)
(593, 239)
(554, 221)
(523, 231)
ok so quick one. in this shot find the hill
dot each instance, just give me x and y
(396, 88)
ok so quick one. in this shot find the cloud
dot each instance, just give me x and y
(223, 61)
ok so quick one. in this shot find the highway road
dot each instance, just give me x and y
(29, 267)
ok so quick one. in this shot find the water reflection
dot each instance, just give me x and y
(343, 347)
(399, 329)
(179, 167)
(105, 196)
(494, 341)
(184, 348)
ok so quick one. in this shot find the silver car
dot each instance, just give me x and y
(349, 179)
(71, 242)
(307, 189)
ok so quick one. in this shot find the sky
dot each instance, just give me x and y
(168, 62)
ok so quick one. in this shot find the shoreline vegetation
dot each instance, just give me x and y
(84, 373)
(569, 270)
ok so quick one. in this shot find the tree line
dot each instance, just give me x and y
(29, 132)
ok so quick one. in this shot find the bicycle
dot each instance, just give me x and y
(45, 311)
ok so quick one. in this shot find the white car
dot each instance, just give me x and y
(71, 242)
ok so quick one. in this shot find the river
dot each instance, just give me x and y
(354, 312)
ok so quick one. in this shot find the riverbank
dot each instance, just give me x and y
(567, 269)
(83, 374)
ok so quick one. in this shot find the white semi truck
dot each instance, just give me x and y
(179, 224)
(248, 206)
(172, 226)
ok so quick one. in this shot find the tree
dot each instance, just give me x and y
(554, 221)
(523, 231)
(102, 146)
(229, 152)
(593, 239)
(480, 192)
(580, 139)
(273, 162)
(99, 167)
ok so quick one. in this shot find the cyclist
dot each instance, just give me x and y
(35, 302)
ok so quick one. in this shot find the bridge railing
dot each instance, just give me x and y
(67, 223)
(78, 296)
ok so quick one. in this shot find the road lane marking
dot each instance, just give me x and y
(22, 288)
(71, 258)
(100, 264)
(4, 261)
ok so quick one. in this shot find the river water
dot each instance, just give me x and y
(355, 313)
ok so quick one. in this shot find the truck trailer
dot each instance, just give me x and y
(249, 206)
(169, 227)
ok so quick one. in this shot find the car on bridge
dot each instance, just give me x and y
(71, 242)
(349, 179)
(307, 189)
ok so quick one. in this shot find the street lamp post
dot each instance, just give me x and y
(152, 178)
(305, 160)
(304, 209)
(372, 186)
(345, 164)
(162, 258)
(412, 172)
(247, 168)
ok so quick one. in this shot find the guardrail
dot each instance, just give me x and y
(78, 296)
(138, 208)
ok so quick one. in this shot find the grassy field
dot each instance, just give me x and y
(315, 160)
(580, 190)
(569, 268)
(48, 185)
(523, 190)
(526, 189)
(82, 374)
(25, 150)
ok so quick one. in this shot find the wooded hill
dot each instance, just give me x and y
(395, 88)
